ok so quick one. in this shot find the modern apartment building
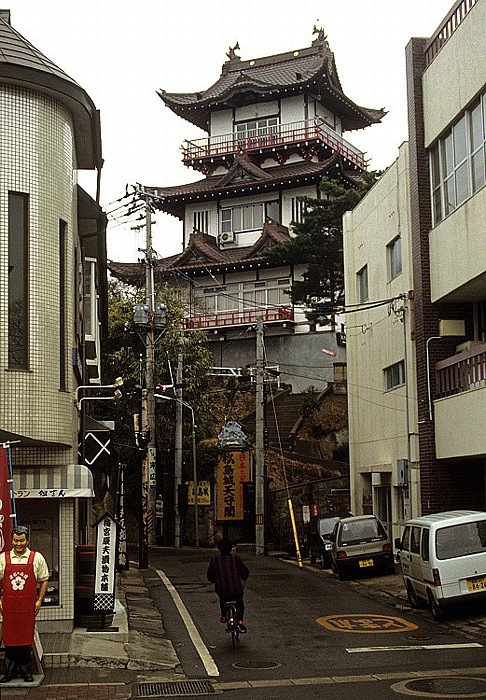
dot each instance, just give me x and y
(415, 252)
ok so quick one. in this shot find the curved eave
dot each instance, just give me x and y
(197, 110)
(174, 203)
(86, 117)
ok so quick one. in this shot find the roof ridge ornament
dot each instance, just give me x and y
(231, 53)
(321, 36)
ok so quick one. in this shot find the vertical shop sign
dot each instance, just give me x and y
(6, 510)
(122, 561)
(229, 487)
(106, 555)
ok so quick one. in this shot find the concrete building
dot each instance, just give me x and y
(275, 127)
(52, 273)
(415, 251)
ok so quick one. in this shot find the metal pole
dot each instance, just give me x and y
(143, 525)
(259, 446)
(194, 472)
(178, 453)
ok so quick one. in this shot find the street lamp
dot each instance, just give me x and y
(194, 463)
(116, 395)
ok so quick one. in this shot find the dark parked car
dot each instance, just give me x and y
(319, 540)
(360, 544)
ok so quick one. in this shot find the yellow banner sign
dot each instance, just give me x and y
(203, 493)
(232, 472)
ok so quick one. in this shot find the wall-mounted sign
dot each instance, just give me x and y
(203, 493)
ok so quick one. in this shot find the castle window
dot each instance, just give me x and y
(256, 132)
(249, 217)
(201, 221)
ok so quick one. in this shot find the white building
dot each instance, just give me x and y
(417, 376)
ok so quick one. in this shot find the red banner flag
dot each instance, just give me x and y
(6, 523)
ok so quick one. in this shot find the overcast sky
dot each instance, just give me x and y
(121, 52)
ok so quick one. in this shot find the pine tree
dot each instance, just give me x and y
(318, 244)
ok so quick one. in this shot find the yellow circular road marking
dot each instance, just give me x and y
(366, 624)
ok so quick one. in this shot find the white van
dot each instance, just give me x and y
(443, 559)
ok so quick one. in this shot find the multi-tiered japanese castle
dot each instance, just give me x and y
(275, 128)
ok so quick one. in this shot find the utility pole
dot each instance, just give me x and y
(259, 445)
(178, 453)
(151, 457)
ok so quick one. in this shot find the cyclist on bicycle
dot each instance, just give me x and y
(228, 571)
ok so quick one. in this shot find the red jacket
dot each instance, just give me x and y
(227, 571)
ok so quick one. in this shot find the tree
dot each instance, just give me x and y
(318, 244)
(122, 356)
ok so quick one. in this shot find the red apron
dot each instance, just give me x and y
(19, 596)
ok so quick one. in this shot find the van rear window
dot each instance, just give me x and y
(460, 540)
(368, 530)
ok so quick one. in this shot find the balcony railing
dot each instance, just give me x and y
(226, 319)
(462, 372)
(272, 136)
(447, 28)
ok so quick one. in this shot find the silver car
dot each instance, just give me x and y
(360, 544)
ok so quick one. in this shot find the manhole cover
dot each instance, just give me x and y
(445, 687)
(418, 637)
(257, 665)
(175, 689)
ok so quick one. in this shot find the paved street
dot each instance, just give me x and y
(308, 631)
(310, 636)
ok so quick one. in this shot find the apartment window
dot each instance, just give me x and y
(458, 161)
(394, 250)
(90, 299)
(62, 304)
(18, 280)
(201, 221)
(395, 375)
(249, 217)
(362, 279)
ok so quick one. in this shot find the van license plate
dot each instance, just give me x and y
(365, 562)
(476, 585)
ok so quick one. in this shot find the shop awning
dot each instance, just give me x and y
(68, 481)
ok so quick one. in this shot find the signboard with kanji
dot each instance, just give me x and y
(203, 493)
(106, 557)
(233, 470)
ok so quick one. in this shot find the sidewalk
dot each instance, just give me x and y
(105, 665)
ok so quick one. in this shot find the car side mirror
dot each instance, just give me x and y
(398, 543)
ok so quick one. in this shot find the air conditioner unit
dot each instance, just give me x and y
(468, 345)
(227, 237)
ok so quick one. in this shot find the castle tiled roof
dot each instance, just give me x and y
(22, 64)
(244, 82)
(245, 176)
(203, 253)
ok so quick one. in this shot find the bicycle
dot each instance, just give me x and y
(232, 625)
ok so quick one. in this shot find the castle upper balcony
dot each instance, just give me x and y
(312, 135)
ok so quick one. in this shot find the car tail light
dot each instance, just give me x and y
(436, 575)
(387, 547)
(341, 555)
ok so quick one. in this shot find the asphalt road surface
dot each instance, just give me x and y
(310, 636)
